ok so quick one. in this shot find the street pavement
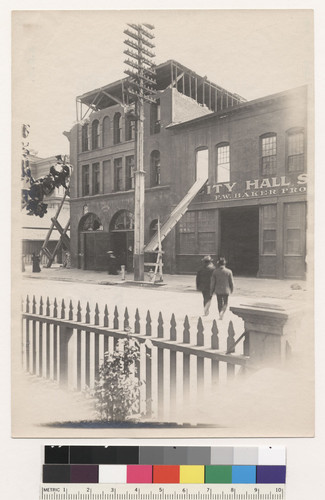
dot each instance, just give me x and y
(176, 295)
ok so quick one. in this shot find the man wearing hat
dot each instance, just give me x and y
(222, 284)
(203, 282)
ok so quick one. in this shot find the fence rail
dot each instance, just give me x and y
(66, 345)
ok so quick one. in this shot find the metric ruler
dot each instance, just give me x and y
(52, 491)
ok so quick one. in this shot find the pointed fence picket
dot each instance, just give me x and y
(67, 345)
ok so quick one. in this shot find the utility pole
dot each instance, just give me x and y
(141, 89)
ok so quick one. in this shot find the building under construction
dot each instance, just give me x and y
(224, 176)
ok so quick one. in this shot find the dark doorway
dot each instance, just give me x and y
(122, 238)
(95, 250)
(93, 243)
(239, 239)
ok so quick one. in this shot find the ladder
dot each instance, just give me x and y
(63, 240)
(175, 216)
(158, 265)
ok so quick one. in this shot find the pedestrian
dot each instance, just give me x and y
(112, 263)
(222, 284)
(36, 260)
(203, 281)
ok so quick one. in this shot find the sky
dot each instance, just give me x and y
(58, 55)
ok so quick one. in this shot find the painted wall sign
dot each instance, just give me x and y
(257, 188)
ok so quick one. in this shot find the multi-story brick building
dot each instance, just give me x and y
(252, 155)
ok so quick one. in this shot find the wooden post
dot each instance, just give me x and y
(65, 361)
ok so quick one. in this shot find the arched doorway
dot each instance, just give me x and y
(93, 243)
(122, 238)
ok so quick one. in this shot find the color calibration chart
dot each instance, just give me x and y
(163, 473)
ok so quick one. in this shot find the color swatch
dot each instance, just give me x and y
(162, 465)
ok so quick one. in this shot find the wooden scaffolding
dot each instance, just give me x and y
(64, 239)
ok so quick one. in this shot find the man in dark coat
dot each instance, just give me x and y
(203, 282)
(222, 284)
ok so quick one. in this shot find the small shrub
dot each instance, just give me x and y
(117, 391)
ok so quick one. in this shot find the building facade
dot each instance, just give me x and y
(252, 208)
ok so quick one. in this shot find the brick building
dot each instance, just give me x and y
(251, 156)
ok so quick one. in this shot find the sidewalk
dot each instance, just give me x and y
(244, 286)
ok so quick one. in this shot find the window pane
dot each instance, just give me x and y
(207, 243)
(206, 220)
(296, 143)
(96, 178)
(129, 172)
(223, 164)
(268, 165)
(296, 163)
(293, 245)
(85, 180)
(106, 131)
(269, 241)
(268, 154)
(269, 213)
(187, 243)
(269, 146)
(84, 138)
(118, 174)
(187, 223)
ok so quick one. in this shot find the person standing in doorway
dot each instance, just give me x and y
(222, 284)
(112, 263)
(203, 282)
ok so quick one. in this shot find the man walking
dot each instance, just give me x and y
(222, 285)
(203, 282)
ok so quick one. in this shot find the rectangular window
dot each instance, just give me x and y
(129, 167)
(269, 241)
(268, 153)
(296, 152)
(96, 178)
(269, 234)
(294, 228)
(118, 174)
(155, 117)
(223, 163)
(107, 176)
(197, 233)
(206, 243)
(85, 180)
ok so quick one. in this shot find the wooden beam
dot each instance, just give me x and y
(176, 80)
(90, 105)
(116, 99)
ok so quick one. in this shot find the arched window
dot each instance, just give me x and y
(117, 128)
(223, 162)
(106, 137)
(122, 221)
(84, 137)
(155, 168)
(90, 222)
(268, 150)
(129, 129)
(295, 150)
(95, 134)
